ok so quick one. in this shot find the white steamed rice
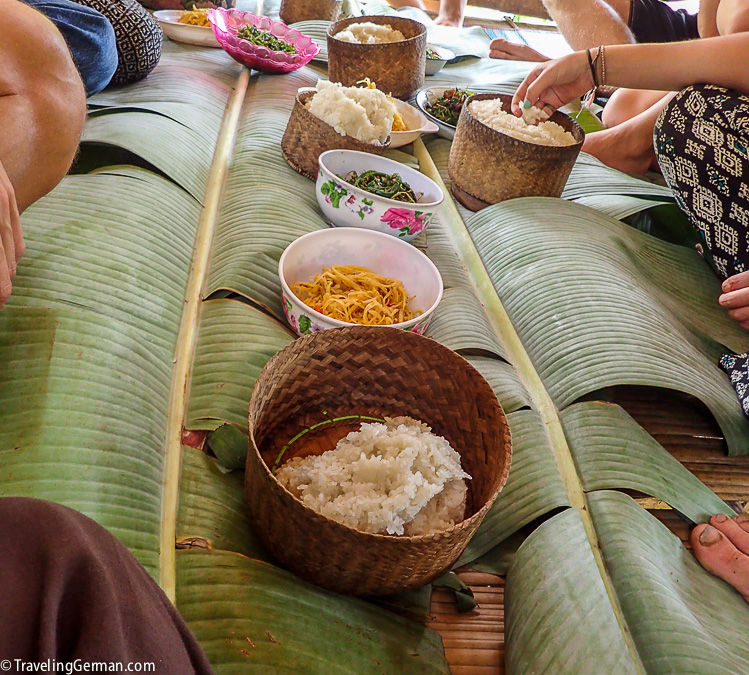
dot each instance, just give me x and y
(368, 33)
(489, 111)
(364, 114)
(390, 478)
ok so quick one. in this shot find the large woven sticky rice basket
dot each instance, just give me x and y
(307, 10)
(487, 167)
(307, 137)
(377, 372)
(396, 67)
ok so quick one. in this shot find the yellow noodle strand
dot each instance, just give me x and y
(356, 295)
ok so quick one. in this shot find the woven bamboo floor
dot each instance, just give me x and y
(474, 642)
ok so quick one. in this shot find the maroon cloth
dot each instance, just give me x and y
(69, 590)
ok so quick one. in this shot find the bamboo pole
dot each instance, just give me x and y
(188, 335)
(520, 359)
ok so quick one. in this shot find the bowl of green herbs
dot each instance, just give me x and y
(443, 106)
(261, 43)
(358, 189)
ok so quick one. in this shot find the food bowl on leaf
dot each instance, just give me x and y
(377, 252)
(310, 395)
(417, 124)
(346, 205)
(437, 57)
(226, 23)
(488, 166)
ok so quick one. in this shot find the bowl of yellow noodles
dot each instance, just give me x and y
(348, 276)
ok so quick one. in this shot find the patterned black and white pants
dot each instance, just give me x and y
(702, 143)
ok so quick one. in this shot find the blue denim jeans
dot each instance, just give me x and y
(90, 38)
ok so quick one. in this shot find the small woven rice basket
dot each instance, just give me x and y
(377, 372)
(307, 137)
(306, 10)
(396, 68)
(487, 167)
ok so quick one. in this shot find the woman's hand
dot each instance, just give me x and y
(12, 246)
(735, 298)
(554, 83)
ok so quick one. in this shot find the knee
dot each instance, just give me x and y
(732, 17)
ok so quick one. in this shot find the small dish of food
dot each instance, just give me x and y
(374, 455)
(188, 27)
(348, 276)
(357, 189)
(389, 50)
(332, 116)
(409, 124)
(443, 105)
(261, 43)
(437, 57)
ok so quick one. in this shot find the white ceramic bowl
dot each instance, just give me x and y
(347, 206)
(417, 124)
(426, 96)
(202, 36)
(378, 252)
(433, 66)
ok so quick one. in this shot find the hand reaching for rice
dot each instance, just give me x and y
(554, 83)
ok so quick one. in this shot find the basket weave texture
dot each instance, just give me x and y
(487, 167)
(396, 67)
(307, 10)
(307, 137)
(379, 372)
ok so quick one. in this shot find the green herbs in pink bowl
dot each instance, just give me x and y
(264, 38)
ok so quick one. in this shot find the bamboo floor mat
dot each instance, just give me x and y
(475, 641)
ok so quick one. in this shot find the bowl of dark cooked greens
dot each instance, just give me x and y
(442, 105)
(261, 43)
(358, 189)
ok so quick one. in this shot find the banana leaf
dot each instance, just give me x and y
(108, 348)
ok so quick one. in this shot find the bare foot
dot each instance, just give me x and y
(510, 51)
(722, 547)
(620, 149)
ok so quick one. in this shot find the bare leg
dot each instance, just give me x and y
(625, 104)
(629, 145)
(43, 106)
(590, 23)
(722, 547)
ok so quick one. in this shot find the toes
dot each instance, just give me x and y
(720, 557)
(742, 520)
(738, 536)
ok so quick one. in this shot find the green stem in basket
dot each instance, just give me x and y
(264, 38)
(277, 463)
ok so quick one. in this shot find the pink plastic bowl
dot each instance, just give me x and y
(225, 24)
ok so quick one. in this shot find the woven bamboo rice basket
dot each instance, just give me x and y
(306, 10)
(376, 372)
(487, 167)
(396, 67)
(307, 137)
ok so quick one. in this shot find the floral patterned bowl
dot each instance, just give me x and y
(226, 22)
(347, 206)
(378, 252)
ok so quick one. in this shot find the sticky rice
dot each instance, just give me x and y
(364, 114)
(489, 111)
(392, 478)
(368, 33)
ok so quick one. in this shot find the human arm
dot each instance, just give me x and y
(669, 67)
(43, 106)
(707, 18)
(451, 12)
